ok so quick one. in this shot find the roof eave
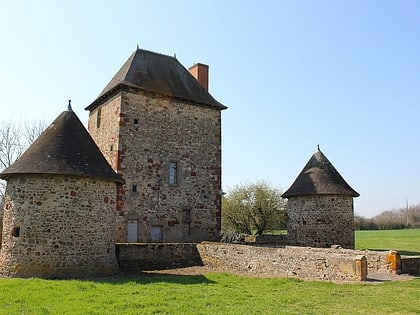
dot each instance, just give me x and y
(117, 179)
(123, 86)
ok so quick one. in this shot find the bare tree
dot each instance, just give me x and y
(14, 140)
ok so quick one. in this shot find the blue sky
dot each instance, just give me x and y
(294, 74)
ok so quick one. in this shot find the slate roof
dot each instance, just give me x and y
(157, 73)
(319, 177)
(64, 148)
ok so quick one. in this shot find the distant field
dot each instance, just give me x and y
(407, 242)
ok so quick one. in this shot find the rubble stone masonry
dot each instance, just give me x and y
(321, 221)
(142, 135)
(58, 226)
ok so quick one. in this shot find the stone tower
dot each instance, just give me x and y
(159, 128)
(59, 210)
(320, 206)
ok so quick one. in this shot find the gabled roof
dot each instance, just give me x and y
(64, 148)
(319, 177)
(157, 73)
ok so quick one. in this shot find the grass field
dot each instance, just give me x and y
(407, 242)
(210, 294)
(219, 293)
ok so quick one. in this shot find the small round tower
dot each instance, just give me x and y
(320, 206)
(59, 209)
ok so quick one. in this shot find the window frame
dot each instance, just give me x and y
(173, 173)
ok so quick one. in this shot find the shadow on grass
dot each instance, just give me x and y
(402, 252)
(153, 277)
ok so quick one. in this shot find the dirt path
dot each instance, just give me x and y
(203, 270)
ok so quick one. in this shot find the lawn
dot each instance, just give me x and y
(219, 293)
(407, 242)
(209, 294)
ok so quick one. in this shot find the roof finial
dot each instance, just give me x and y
(175, 55)
(318, 147)
(138, 47)
(69, 106)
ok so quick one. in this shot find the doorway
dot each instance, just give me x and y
(156, 233)
(132, 231)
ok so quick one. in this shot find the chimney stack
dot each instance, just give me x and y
(201, 73)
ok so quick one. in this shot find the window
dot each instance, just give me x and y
(134, 188)
(98, 118)
(136, 121)
(187, 215)
(186, 223)
(173, 173)
(16, 231)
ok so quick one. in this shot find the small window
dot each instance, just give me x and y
(173, 173)
(134, 188)
(16, 231)
(187, 215)
(136, 121)
(98, 118)
(111, 148)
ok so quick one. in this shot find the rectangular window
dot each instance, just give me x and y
(98, 118)
(134, 188)
(136, 121)
(187, 215)
(186, 223)
(173, 173)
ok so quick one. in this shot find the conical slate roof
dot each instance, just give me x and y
(64, 148)
(319, 177)
(159, 74)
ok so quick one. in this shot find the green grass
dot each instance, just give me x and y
(210, 294)
(220, 293)
(407, 242)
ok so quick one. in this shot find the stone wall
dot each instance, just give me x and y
(410, 265)
(144, 256)
(321, 221)
(149, 132)
(306, 263)
(58, 226)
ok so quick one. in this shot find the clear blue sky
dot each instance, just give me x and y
(294, 74)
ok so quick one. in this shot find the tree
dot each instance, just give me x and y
(14, 140)
(253, 209)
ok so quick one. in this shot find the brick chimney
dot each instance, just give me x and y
(201, 73)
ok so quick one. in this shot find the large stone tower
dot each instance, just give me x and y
(159, 128)
(320, 206)
(59, 210)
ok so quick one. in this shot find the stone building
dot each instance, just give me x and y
(59, 210)
(158, 126)
(320, 206)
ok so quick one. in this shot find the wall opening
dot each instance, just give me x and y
(16, 231)
(132, 231)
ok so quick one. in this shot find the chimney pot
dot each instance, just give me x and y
(201, 73)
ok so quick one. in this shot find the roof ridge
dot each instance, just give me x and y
(156, 53)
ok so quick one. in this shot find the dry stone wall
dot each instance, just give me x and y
(152, 133)
(321, 221)
(57, 226)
